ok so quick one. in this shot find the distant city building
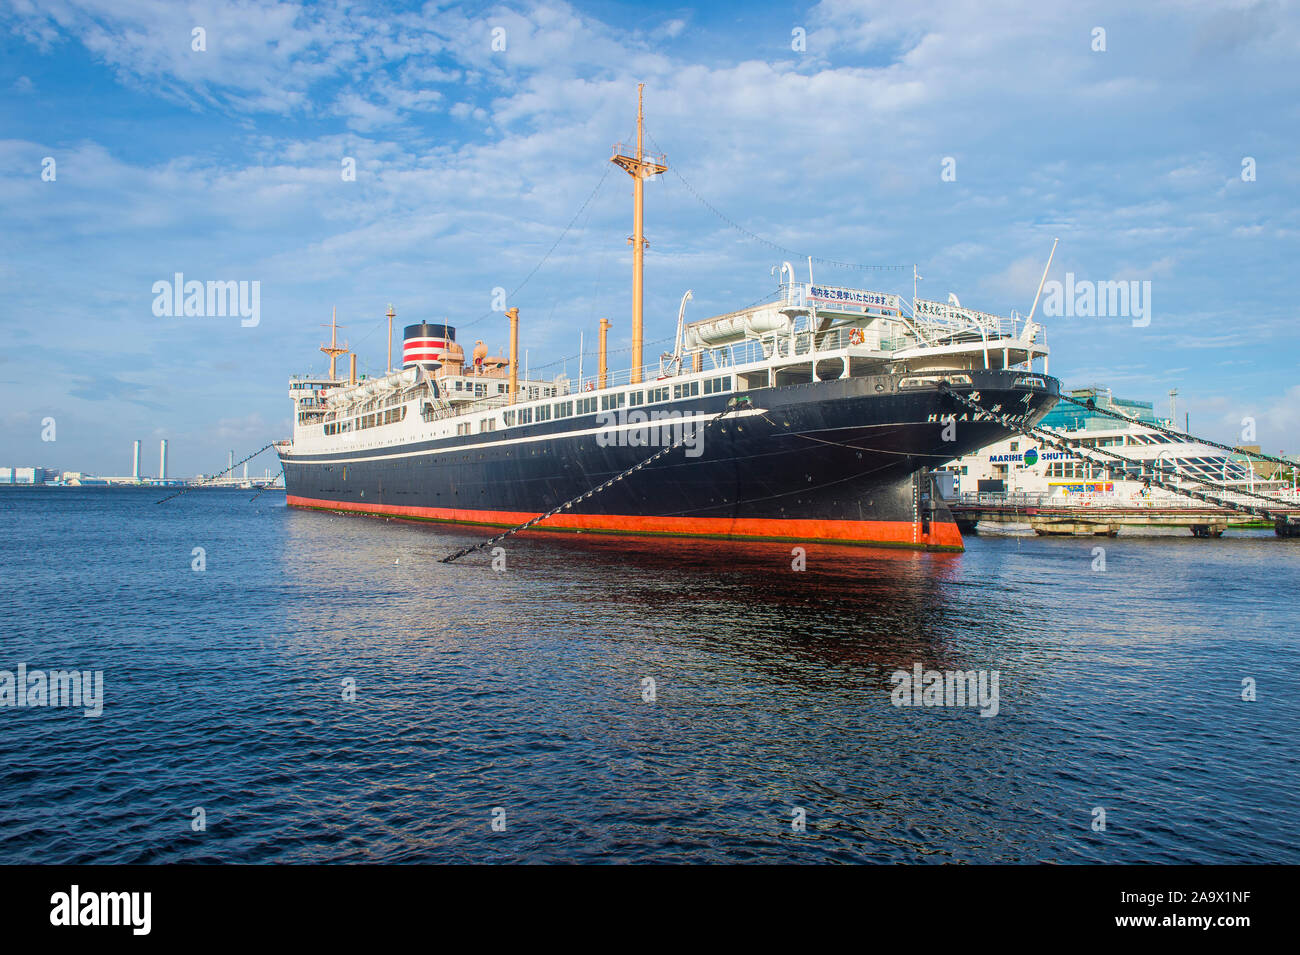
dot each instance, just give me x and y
(1270, 470)
(27, 475)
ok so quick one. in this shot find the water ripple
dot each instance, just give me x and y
(522, 691)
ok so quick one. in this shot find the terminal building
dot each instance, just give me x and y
(1021, 465)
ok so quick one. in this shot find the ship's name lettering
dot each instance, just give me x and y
(977, 416)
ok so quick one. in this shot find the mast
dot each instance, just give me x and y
(333, 349)
(1042, 281)
(513, 387)
(639, 167)
(389, 360)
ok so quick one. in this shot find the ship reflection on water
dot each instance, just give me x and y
(330, 692)
(771, 691)
(846, 607)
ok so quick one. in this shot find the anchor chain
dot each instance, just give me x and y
(732, 405)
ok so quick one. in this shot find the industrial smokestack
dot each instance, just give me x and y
(162, 460)
(135, 462)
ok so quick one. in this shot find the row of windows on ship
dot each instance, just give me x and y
(479, 389)
(360, 423)
(617, 400)
(482, 389)
(560, 409)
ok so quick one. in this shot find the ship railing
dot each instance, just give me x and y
(444, 409)
(933, 323)
(795, 342)
(585, 385)
(319, 379)
(1004, 498)
(928, 324)
(628, 151)
(1155, 500)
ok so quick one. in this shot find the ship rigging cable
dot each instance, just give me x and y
(528, 277)
(657, 341)
(1149, 474)
(732, 405)
(767, 242)
(857, 447)
(553, 247)
(1091, 405)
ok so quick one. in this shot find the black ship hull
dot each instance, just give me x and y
(842, 461)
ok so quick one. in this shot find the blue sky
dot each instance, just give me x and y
(224, 164)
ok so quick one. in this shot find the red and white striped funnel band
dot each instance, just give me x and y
(423, 349)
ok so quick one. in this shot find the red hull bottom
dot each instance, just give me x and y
(941, 536)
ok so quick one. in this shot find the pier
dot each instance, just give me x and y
(1104, 517)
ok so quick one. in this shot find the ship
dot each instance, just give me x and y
(819, 414)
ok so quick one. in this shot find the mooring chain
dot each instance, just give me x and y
(858, 447)
(1050, 439)
(732, 405)
(1158, 468)
(1180, 435)
(215, 476)
(1161, 469)
(262, 490)
(1071, 446)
